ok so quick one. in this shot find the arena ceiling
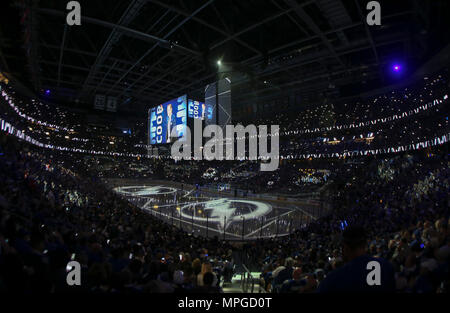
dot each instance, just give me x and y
(149, 51)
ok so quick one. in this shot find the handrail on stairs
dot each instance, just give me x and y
(247, 279)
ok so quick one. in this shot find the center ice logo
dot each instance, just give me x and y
(225, 211)
(144, 191)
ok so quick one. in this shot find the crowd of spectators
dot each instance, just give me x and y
(320, 129)
(404, 215)
(50, 215)
(53, 210)
(54, 206)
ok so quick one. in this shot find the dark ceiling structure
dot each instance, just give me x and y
(147, 51)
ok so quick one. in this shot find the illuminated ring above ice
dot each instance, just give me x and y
(145, 191)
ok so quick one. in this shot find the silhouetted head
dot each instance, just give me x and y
(354, 242)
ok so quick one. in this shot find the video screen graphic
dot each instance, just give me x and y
(210, 101)
(166, 117)
(200, 110)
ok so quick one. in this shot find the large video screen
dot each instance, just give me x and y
(166, 117)
(210, 101)
(200, 110)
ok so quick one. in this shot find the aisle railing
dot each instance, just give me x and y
(247, 280)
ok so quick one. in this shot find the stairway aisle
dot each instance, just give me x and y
(234, 286)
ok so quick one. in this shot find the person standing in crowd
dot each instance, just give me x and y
(206, 268)
(352, 277)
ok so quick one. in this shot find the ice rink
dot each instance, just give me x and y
(206, 212)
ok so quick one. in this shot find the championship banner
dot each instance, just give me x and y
(99, 103)
(111, 105)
